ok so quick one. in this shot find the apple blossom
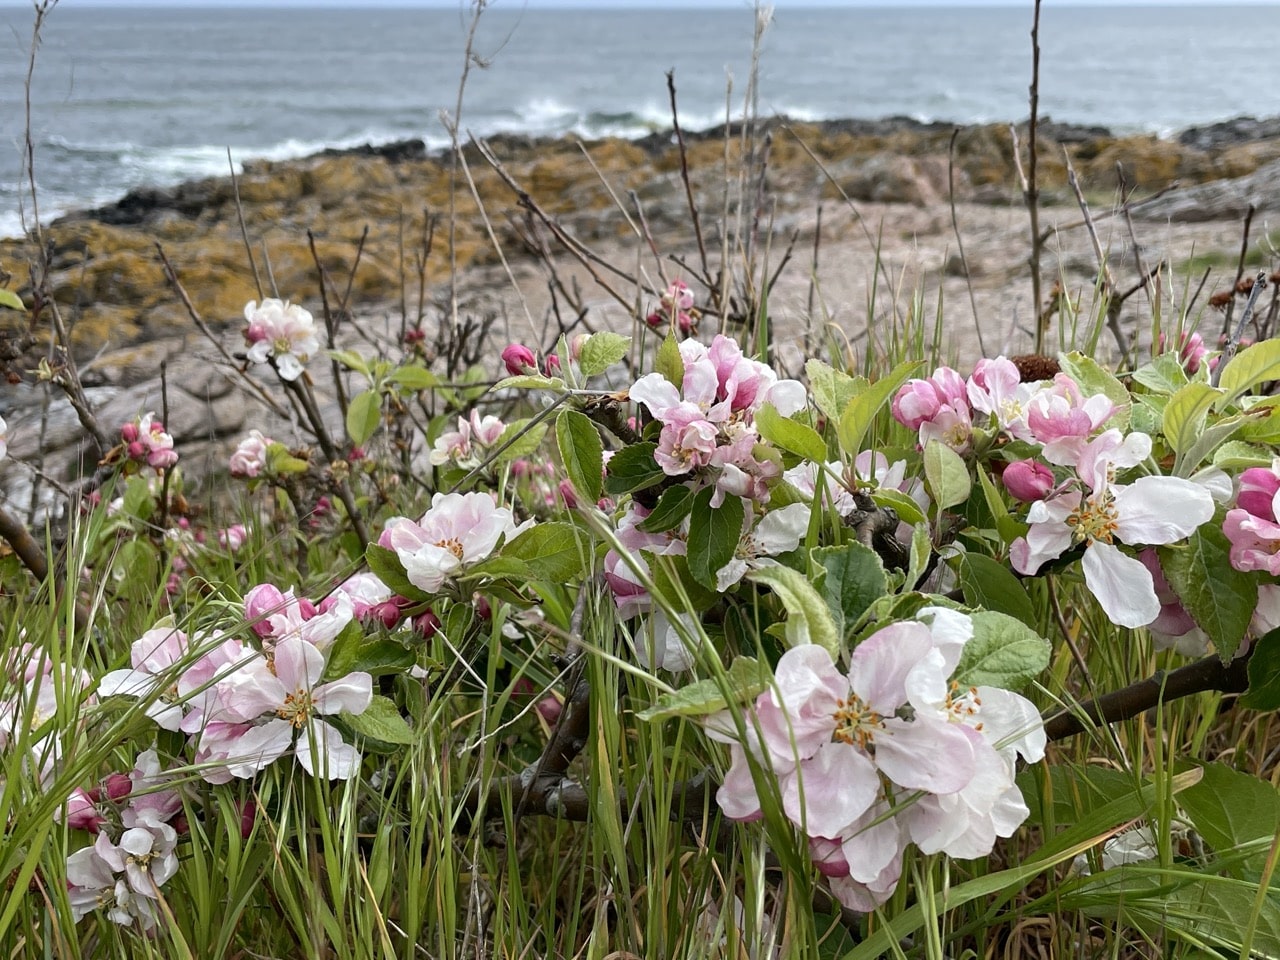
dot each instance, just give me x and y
(1028, 480)
(457, 531)
(778, 531)
(1095, 511)
(250, 456)
(519, 360)
(283, 332)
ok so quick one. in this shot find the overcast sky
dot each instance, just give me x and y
(606, 4)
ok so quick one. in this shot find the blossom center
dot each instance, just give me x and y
(963, 705)
(452, 544)
(1094, 521)
(856, 723)
(296, 708)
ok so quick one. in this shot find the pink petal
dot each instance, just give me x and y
(1160, 509)
(839, 784)
(925, 754)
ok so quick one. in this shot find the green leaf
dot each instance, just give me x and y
(671, 509)
(11, 300)
(714, 533)
(381, 721)
(1004, 652)
(555, 551)
(855, 579)
(831, 389)
(387, 567)
(281, 461)
(989, 584)
(525, 440)
(921, 551)
(858, 415)
(745, 679)
(376, 656)
(790, 435)
(602, 350)
(530, 381)
(907, 509)
(1235, 455)
(1163, 375)
(414, 377)
(1093, 379)
(1230, 808)
(138, 500)
(581, 452)
(363, 416)
(1185, 414)
(669, 362)
(808, 619)
(1219, 597)
(1009, 528)
(1248, 368)
(947, 475)
(1264, 674)
(673, 583)
(351, 360)
(633, 468)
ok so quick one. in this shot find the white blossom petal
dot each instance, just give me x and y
(1122, 585)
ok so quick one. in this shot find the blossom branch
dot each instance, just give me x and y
(1206, 674)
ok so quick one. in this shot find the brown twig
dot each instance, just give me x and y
(244, 230)
(1244, 252)
(684, 176)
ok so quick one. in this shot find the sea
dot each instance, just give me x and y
(121, 98)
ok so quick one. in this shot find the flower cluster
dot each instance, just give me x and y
(676, 308)
(282, 333)
(145, 442)
(136, 819)
(469, 445)
(250, 456)
(244, 707)
(31, 688)
(890, 752)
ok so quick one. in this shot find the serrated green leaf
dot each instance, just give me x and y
(1264, 674)
(386, 567)
(921, 551)
(525, 437)
(855, 579)
(989, 584)
(582, 453)
(602, 350)
(808, 619)
(669, 362)
(831, 389)
(790, 435)
(670, 510)
(1220, 598)
(1093, 379)
(1184, 415)
(857, 416)
(138, 500)
(1248, 368)
(714, 533)
(633, 468)
(1164, 374)
(946, 474)
(1208, 441)
(381, 721)
(745, 679)
(1230, 808)
(530, 381)
(1003, 652)
(364, 414)
(555, 551)
(376, 656)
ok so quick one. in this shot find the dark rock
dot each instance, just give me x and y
(1229, 132)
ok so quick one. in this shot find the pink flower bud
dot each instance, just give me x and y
(248, 813)
(129, 432)
(118, 786)
(655, 319)
(137, 450)
(553, 365)
(519, 359)
(1258, 488)
(81, 811)
(549, 708)
(1028, 480)
(567, 494)
(426, 624)
(259, 603)
(575, 346)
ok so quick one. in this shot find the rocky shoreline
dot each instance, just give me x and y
(374, 208)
